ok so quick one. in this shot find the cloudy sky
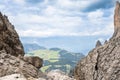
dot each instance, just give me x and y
(51, 18)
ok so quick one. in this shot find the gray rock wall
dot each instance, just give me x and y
(9, 39)
(103, 62)
(12, 53)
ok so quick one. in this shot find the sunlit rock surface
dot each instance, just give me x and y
(103, 62)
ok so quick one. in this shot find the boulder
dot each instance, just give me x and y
(34, 60)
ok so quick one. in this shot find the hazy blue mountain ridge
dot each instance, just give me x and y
(54, 58)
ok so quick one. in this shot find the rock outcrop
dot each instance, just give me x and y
(34, 60)
(10, 65)
(117, 20)
(12, 58)
(9, 39)
(103, 62)
(105, 41)
(98, 43)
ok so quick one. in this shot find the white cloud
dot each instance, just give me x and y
(19, 1)
(63, 18)
(96, 15)
(64, 32)
(2, 7)
(50, 10)
(75, 4)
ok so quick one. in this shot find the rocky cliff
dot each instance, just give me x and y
(9, 39)
(103, 62)
(13, 64)
(12, 58)
(10, 65)
(117, 20)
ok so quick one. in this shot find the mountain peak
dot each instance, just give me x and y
(101, 63)
(117, 20)
(98, 43)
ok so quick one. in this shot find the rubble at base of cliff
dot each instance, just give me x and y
(52, 75)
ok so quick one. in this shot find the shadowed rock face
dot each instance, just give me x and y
(103, 62)
(9, 39)
(98, 43)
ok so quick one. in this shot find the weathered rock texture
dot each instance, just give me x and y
(19, 77)
(117, 20)
(34, 60)
(58, 75)
(13, 77)
(9, 39)
(11, 65)
(103, 62)
(52, 75)
(12, 58)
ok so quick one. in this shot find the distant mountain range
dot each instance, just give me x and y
(70, 43)
(54, 58)
(32, 46)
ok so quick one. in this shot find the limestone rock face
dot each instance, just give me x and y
(117, 16)
(103, 62)
(117, 20)
(34, 60)
(11, 65)
(9, 39)
(12, 53)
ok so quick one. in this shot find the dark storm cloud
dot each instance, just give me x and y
(101, 4)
